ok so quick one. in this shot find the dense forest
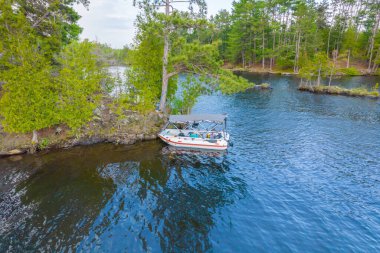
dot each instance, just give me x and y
(295, 34)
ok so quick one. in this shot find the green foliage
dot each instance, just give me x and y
(43, 144)
(54, 22)
(350, 71)
(29, 94)
(349, 39)
(285, 62)
(35, 95)
(34, 98)
(230, 83)
(316, 68)
(222, 27)
(289, 33)
(145, 73)
(188, 54)
(191, 89)
(78, 83)
(110, 56)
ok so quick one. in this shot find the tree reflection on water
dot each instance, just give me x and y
(162, 202)
(111, 198)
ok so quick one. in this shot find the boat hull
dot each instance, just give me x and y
(192, 143)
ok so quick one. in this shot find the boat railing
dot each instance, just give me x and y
(206, 135)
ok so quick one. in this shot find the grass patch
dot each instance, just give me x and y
(336, 90)
(350, 71)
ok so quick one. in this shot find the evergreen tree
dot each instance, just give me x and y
(187, 54)
(35, 93)
(29, 95)
(78, 84)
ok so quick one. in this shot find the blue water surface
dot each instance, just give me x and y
(303, 175)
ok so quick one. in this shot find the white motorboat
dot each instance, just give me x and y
(201, 131)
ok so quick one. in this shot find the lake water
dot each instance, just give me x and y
(303, 175)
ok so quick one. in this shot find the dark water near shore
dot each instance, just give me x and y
(303, 176)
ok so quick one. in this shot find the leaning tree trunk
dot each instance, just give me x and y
(372, 41)
(165, 79)
(263, 60)
(375, 65)
(348, 58)
(319, 75)
(33, 149)
(243, 58)
(273, 47)
(335, 57)
(328, 42)
(35, 137)
(330, 78)
(254, 49)
(298, 42)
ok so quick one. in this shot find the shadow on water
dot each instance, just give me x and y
(114, 198)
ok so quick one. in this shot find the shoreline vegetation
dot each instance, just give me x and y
(106, 126)
(352, 71)
(336, 90)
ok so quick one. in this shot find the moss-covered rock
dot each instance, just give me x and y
(105, 126)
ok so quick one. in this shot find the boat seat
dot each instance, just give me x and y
(193, 135)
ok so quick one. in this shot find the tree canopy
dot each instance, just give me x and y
(288, 33)
(187, 54)
(43, 84)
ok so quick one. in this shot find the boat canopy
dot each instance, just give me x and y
(216, 118)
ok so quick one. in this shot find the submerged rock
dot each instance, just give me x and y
(263, 86)
(12, 152)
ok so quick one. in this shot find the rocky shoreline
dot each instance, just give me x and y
(105, 127)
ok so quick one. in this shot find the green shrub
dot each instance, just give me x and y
(43, 144)
(284, 63)
(350, 71)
